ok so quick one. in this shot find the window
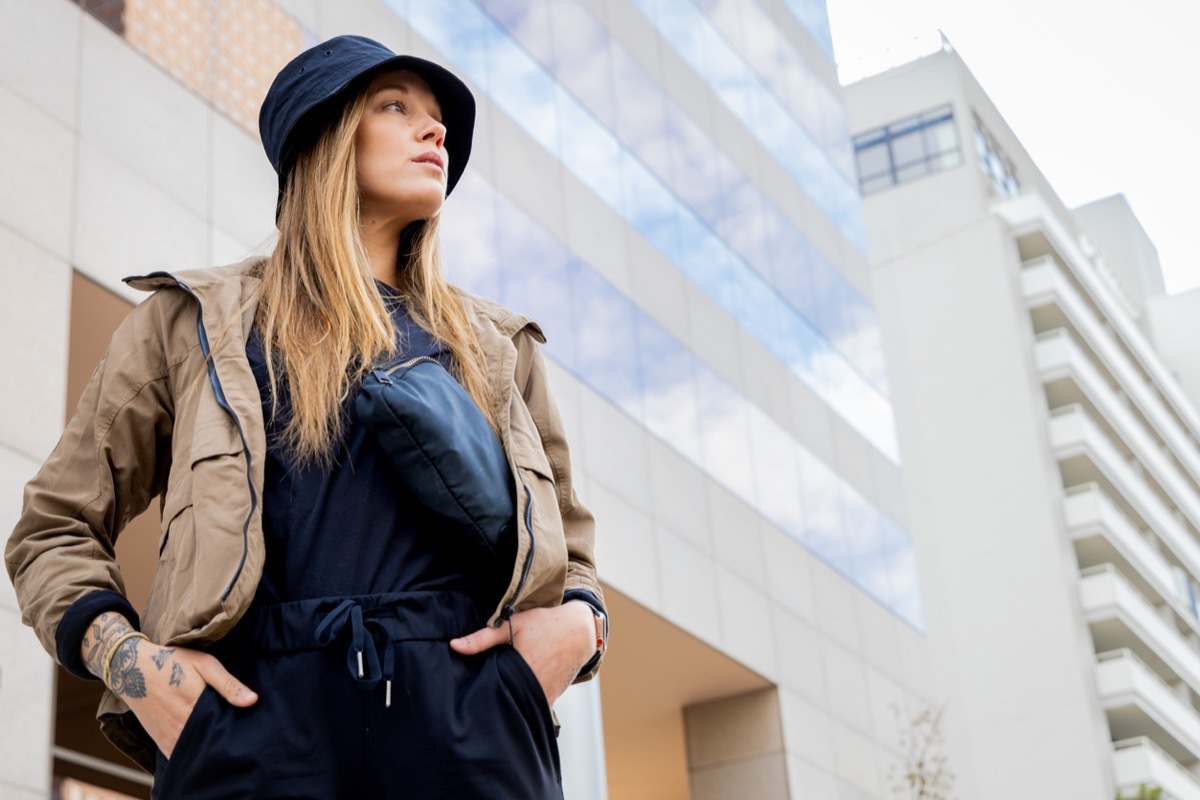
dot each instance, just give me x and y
(994, 163)
(907, 149)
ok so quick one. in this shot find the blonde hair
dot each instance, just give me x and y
(322, 320)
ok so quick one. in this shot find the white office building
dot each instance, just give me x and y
(1051, 457)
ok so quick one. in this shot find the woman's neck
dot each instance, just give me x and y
(382, 244)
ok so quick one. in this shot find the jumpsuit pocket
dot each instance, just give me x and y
(520, 679)
(183, 744)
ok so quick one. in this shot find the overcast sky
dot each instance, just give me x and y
(1102, 93)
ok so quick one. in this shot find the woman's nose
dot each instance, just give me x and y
(434, 132)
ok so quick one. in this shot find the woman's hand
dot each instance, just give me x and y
(555, 642)
(160, 684)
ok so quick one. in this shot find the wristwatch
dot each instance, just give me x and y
(601, 629)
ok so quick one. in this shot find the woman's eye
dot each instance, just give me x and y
(398, 105)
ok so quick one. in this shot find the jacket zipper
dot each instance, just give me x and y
(507, 611)
(384, 375)
(223, 402)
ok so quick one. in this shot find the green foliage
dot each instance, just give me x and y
(1144, 792)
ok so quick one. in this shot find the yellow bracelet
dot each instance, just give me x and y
(112, 652)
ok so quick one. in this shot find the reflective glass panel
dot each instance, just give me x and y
(824, 527)
(815, 17)
(725, 435)
(470, 238)
(776, 477)
(606, 341)
(671, 146)
(597, 333)
(869, 560)
(668, 373)
(786, 73)
(528, 21)
(581, 59)
(694, 37)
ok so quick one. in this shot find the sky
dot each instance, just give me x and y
(1104, 94)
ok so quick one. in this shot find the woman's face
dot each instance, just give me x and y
(401, 150)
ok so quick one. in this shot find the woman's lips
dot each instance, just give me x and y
(432, 159)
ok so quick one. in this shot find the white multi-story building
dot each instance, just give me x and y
(669, 189)
(1052, 461)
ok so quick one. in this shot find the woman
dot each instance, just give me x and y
(312, 631)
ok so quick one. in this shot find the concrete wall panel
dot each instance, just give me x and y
(37, 171)
(39, 55)
(128, 226)
(35, 290)
(142, 117)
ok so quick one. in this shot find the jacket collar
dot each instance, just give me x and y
(211, 286)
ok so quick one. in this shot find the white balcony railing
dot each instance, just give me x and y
(1123, 681)
(1043, 282)
(1030, 212)
(1091, 513)
(1140, 761)
(1106, 596)
(1057, 355)
(1074, 433)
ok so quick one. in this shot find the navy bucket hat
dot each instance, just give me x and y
(308, 93)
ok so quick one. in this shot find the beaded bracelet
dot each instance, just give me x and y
(112, 652)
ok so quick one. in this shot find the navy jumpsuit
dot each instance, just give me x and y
(347, 645)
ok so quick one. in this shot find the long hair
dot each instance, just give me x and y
(322, 320)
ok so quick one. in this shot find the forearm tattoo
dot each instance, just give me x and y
(105, 630)
(127, 679)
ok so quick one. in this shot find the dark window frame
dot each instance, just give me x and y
(932, 158)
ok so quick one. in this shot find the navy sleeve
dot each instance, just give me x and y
(594, 602)
(68, 638)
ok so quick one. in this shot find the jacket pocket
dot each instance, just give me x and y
(201, 543)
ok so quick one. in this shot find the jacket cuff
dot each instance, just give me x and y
(68, 638)
(591, 599)
(588, 597)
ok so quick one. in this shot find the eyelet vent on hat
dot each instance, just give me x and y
(302, 69)
(328, 52)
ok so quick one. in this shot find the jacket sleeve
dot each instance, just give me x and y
(111, 461)
(579, 526)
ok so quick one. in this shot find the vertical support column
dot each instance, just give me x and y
(35, 287)
(581, 743)
(39, 56)
(735, 748)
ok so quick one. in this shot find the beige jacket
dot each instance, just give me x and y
(158, 419)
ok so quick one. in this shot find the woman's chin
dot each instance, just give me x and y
(405, 212)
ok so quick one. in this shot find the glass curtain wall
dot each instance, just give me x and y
(596, 332)
(562, 78)
(546, 110)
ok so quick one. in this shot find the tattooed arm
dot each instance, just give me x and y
(160, 684)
